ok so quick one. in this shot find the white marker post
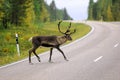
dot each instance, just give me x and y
(17, 43)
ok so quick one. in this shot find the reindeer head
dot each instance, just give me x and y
(67, 33)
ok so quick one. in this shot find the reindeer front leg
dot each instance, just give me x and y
(29, 57)
(50, 54)
(30, 51)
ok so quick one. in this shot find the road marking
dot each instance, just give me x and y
(98, 59)
(116, 45)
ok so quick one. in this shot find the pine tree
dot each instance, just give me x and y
(116, 9)
(106, 9)
(21, 11)
(99, 9)
(37, 10)
(16, 12)
(1, 9)
(1, 14)
(109, 14)
(41, 12)
(90, 12)
(44, 15)
(4, 13)
(29, 14)
(65, 15)
(53, 11)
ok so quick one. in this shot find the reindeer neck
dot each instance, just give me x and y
(61, 39)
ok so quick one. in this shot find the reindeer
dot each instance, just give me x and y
(51, 41)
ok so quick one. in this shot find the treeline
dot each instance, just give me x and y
(107, 10)
(27, 12)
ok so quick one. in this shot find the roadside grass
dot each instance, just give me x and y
(8, 52)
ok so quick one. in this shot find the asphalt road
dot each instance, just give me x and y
(94, 57)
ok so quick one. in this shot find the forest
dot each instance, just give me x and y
(29, 12)
(106, 10)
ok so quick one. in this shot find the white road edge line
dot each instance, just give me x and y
(92, 29)
(116, 45)
(98, 59)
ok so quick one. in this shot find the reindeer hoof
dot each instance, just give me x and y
(39, 60)
(31, 63)
(50, 61)
(66, 59)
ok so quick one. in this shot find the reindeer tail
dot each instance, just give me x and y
(30, 39)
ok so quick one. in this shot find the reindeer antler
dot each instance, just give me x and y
(59, 27)
(73, 31)
(68, 29)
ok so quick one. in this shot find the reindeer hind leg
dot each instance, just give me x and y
(34, 51)
(30, 51)
(50, 54)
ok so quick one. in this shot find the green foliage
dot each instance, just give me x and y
(53, 10)
(29, 12)
(90, 17)
(65, 15)
(37, 9)
(109, 14)
(41, 12)
(57, 14)
(44, 17)
(1, 12)
(15, 12)
(108, 10)
(116, 10)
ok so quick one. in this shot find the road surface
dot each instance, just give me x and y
(94, 57)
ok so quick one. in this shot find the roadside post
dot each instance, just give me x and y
(17, 44)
